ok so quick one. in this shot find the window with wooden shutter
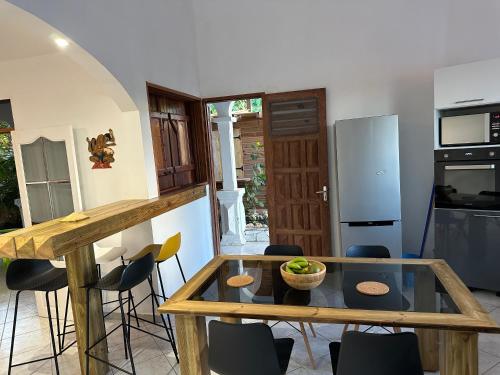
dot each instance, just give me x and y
(176, 129)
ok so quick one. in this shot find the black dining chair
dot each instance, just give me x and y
(280, 289)
(376, 354)
(39, 276)
(122, 279)
(247, 349)
(368, 251)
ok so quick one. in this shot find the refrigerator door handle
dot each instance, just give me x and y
(324, 191)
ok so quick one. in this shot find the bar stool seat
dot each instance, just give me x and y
(104, 254)
(112, 281)
(36, 275)
(39, 276)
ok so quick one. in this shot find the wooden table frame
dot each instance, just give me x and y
(452, 336)
(74, 241)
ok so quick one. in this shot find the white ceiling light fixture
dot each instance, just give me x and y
(61, 42)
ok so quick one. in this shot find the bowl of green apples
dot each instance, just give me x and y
(303, 274)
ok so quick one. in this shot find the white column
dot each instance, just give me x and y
(230, 197)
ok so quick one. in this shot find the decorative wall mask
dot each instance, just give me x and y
(101, 151)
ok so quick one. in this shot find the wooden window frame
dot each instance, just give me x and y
(201, 148)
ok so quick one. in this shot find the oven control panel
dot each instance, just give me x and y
(464, 154)
(495, 127)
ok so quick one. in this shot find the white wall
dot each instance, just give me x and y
(51, 91)
(137, 42)
(373, 58)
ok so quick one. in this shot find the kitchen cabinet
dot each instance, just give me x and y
(467, 84)
(469, 242)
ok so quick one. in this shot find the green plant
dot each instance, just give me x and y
(9, 190)
(254, 187)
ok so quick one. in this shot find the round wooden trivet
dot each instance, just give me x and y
(239, 281)
(372, 288)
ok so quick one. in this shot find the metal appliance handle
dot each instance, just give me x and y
(490, 216)
(469, 101)
(467, 167)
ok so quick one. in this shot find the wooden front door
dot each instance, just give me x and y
(295, 140)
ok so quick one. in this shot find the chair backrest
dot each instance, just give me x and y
(242, 349)
(20, 269)
(378, 354)
(368, 251)
(137, 271)
(170, 247)
(285, 250)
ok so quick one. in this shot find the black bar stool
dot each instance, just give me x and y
(122, 279)
(40, 276)
(162, 253)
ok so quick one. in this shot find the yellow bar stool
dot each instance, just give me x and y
(161, 253)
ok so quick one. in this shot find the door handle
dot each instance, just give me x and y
(490, 216)
(324, 191)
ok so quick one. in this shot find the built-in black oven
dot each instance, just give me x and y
(467, 178)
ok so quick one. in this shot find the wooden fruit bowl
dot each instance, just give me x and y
(306, 281)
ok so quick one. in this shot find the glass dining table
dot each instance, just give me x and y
(424, 294)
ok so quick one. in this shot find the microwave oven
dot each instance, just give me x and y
(470, 129)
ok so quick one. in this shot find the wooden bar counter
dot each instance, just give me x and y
(54, 239)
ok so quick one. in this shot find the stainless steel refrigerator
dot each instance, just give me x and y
(368, 182)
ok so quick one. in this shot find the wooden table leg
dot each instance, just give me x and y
(428, 344)
(192, 344)
(458, 353)
(82, 270)
(425, 300)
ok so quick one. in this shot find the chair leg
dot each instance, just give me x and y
(312, 329)
(164, 295)
(265, 321)
(180, 268)
(128, 315)
(125, 334)
(125, 331)
(308, 347)
(170, 337)
(133, 308)
(152, 298)
(65, 318)
(54, 350)
(57, 322)
(346, 328)
(397, 329)
(13, 332)
(87, 333)
(356, 327)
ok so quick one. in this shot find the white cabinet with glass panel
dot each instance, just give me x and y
(47, 173)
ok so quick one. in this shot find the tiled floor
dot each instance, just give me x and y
(155, 356)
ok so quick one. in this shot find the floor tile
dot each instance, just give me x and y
(493, 371)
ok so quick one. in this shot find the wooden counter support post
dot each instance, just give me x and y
(82, 270)
(192, 343)
(425, 300)
(458, 353)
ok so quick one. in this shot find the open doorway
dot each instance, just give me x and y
(239, 170)
(10, 206)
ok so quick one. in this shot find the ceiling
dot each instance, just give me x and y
(22, 35)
